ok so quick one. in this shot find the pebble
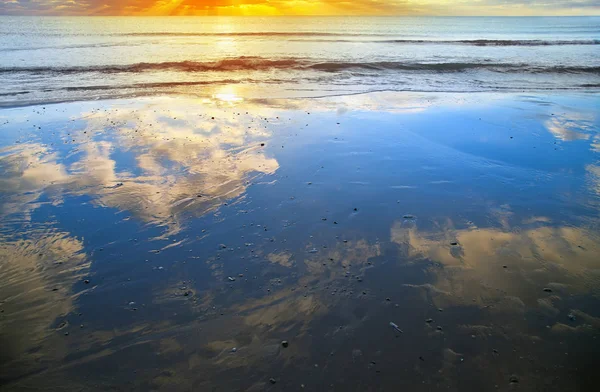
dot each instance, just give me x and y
(429, 320)
(272, 380)
(231, 279)
(284, 343)
(548, 290)
(571, 316)
(233, 350)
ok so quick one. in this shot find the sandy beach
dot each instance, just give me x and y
(370, 242)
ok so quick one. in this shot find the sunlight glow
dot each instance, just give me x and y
(297, 7)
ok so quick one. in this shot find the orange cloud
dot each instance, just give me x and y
(300, 7)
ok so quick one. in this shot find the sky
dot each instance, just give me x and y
(300, 7)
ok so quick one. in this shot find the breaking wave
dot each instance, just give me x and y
(262, 64)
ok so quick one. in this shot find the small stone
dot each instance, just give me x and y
(86, 281)
(454, 243)
(514, 379)
(505, 266)
(439, 328)
(571, 317)
(272, 380)
(231, 279)
(429, 320)
(233, 350)
(66, 334)
(284, 343)
(262, 144)
(388, 299)
(548, 290)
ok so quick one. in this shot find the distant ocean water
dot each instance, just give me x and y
(47, 59)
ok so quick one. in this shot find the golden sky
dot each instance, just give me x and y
(300, 7)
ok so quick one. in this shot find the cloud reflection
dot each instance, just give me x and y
(37, 273)
(490, 264)
(177, 162)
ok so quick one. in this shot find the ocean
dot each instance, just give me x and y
(49, 59)
(299, 204)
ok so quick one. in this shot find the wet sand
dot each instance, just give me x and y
(172, 244)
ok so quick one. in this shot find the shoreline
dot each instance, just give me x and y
(197, 235)
(257, 98)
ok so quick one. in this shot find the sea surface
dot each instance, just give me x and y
(46, 59)
(299, 204)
